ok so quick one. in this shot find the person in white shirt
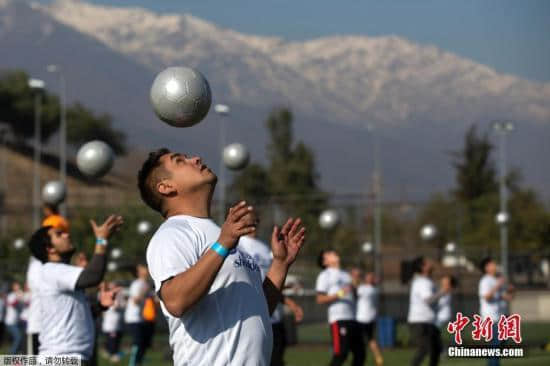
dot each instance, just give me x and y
(334, 288)
(444, 314)
(33, 322)
(494, 294)
(67, 326)
(422, 312)
(14, 307)
(133, 316)
(366, 315)
(211, 292)
(262, 255)
(111, 326)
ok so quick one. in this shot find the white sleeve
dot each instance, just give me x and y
(62, 276)
(362, 291)
(424, 290)
(322, 285)
(171, 252)
(135, 289)
(484, 288)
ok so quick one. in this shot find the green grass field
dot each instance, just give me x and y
(314, 349)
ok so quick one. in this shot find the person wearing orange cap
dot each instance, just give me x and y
(54, 219)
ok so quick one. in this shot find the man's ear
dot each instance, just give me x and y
(166, 188)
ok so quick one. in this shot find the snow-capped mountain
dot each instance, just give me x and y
(420, 98)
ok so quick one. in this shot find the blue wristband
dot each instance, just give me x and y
(220, 249)
(101, 241)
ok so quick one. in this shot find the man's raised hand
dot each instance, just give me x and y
(105, 230)
(287, 241)
(240, 221)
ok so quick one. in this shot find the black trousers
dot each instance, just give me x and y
(112, 342)
(35, 344)
(142, 337)
(279, 344)
(428, 338)
(347, 336)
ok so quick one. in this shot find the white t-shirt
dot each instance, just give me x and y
(228, 326)
(33, 279)
(261, 253)
(24, 316)
(492, 308)
(14, 306)
(112, 317)
(66, 327)
(420, 311)
(329, 282)
(443, 310)
(133, 313)
(367, 303)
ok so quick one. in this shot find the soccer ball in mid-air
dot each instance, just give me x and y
(181, 96)
(54, 192)
(95, 158)
(235, 156)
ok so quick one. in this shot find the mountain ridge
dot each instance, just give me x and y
(420, 98)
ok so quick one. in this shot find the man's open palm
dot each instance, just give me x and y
(287, 241)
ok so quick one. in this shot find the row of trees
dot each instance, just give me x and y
(465, 214)
(17, 111)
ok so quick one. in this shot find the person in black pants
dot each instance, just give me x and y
(422, 312)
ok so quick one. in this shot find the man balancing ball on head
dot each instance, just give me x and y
(211, 292)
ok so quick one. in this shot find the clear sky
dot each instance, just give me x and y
(512, 36)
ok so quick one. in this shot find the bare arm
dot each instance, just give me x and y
(323, 298)
(295, 308)
(182, 291)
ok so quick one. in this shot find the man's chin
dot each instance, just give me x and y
(68, 254)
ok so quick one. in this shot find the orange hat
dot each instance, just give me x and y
(56, 221)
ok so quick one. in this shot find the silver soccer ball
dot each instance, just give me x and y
(116, 253)
(329, 219)
(428, 232)
(54, 192)
(19, 243)
(181, 96)
(235, 156)
(143, 227)
(95, 158)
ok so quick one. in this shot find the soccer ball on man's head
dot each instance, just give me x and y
(181, 96)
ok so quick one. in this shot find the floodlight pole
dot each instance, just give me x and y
(377, 189)
(62, 130)
(503, 128)
(223, 111)
(37, 86)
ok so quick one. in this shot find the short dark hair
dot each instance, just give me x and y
(484, 263)
(417, 264)
(321, 258)
(39, 243)
(148, 178)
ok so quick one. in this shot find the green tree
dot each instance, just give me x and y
(288, 186)
(83, 125)
(17, 111)
(475, 171)
(17, 106)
